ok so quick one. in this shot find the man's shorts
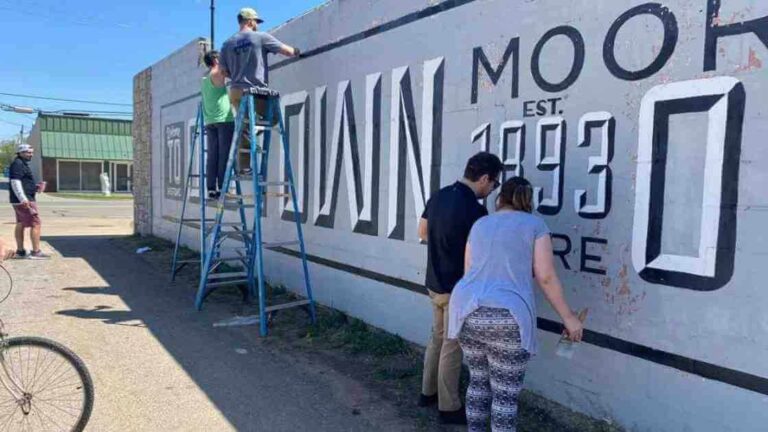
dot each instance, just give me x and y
(27, 217)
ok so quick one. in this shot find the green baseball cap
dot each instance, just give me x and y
(250, 13)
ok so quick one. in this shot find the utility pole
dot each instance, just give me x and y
(21, 135)
(213, 14)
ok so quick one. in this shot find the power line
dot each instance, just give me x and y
(65, 100)
(11, 123)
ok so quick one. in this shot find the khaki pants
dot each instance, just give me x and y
(442, 361)
(260, 108)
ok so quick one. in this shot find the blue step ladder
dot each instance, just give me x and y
(203, 223)
(252, 237)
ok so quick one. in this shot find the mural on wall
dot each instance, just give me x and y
(641, 169)
(174, 159)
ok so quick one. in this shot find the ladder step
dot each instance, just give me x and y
(228, 233)
(232, 258)
(277, 194)
(194, 175)
(287, 305)
(247, 177)
(197, 220)
(283, 243)
(275, 183)
(227, 275)
(226, 283)
(231, 224)
(230, 197)
(248, 151)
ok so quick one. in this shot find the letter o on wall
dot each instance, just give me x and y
(667, 48)
(578, 59)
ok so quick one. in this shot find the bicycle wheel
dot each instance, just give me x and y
(46, 387)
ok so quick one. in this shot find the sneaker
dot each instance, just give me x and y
(458, 417)
(246, 171)
(425, 401)
(20, 254)
(38, 255)
(213, 194)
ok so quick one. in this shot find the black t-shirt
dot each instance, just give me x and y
(20, 170)
(450, 214)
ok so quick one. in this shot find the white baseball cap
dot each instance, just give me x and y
(24, 148)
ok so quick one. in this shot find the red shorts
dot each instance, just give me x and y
(27, 217)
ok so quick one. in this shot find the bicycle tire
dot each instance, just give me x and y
(76, 362)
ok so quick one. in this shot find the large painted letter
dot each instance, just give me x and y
(296, 105)
(714, 32)
(423, 154)
(362, 192)
(723, 100)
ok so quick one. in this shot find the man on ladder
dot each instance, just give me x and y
(243, 59)
(244, 62)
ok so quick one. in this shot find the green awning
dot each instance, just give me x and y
(64, 145)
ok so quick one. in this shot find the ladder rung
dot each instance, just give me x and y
(248, 151)
(242, 178)
(227, 233)
(287, 305)
(231, 197)
(232, 258)
(227, 275)
(275, 183)
(197, 220)
(283, 243)
(225, 283)
(194, 175)
(231, 224)
(277, 194)
(192, 261)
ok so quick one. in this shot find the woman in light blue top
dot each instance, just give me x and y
(492, 310)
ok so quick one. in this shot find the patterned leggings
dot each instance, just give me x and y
(490, 339)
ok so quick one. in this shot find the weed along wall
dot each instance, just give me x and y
(642, 125)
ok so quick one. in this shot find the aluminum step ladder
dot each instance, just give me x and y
(253, 237)
(203, 223)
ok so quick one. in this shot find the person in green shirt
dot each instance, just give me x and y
(219, 123)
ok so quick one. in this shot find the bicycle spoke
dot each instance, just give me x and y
(52, 381)
(7, 365)
(52, 374)
(37, 365)
(58, 426)
(47, 366)
(76, 415)
(10, 418)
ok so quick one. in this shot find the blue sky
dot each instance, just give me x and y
(91, 49)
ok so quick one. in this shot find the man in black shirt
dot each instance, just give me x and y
(445, 225)
(22, 194)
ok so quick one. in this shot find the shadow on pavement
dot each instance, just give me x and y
(264, 390)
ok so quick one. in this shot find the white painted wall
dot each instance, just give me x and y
(666, 310)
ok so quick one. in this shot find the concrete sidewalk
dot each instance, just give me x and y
(157, 364)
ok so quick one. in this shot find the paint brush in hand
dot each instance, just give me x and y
(565, 347)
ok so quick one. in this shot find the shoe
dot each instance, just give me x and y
(20, 254)
(425, 401)
(38, 255)
(246, 171)
(458, 417)
(213, 194)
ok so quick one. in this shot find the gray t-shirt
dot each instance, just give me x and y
(501, 272)
(244, 58)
